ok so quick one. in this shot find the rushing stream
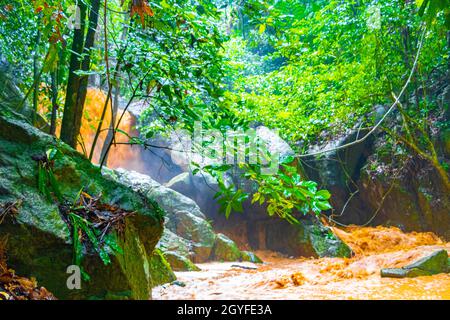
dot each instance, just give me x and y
(325, 278)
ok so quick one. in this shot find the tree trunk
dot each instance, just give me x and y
(77, 84)
(68, 132)
(36, 74)
(86, 64)
(54, 93)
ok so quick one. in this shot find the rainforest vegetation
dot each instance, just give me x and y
(312, 71)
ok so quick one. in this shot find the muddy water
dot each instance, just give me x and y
(325, 278)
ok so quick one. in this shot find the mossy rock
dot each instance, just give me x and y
(40, 243)
(437, 262)
(326, 243)
(250, 257)
(160, 269)
(225, 249)
(186, 230)
(179, 262)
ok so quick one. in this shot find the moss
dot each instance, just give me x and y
(160, 269)
(250, 257)
(179, 262)
(326, 243)
(135, 264)
(225, 249)
(40, 240)
(437, 262)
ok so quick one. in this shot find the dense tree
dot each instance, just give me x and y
(312, 69)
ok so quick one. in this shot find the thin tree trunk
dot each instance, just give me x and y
(115, 108)
(54, 87)
(68, 128)
(86, 64)
(36, 74)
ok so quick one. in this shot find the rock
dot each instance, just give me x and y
(250, 257)
(39, 240)
(197, 230)
(338, 170)
(326, 243)
(225, 249)
(274, 143)
(435, 263)
(11, 97)
(168, 199)
(200, 187)
(371, 177)
(172, 242)
(188, 237)
(415, 202)
(178, 283)
(179, 262)
(190, 234)
(160, 269)
(308, 238)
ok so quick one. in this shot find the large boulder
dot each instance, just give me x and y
(225, 249)
(188, 237)
(380, 183)
(435, 263)
(40, 240)
(340, 169)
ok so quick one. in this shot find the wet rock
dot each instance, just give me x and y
(225, 249)
(190, 234)
(411, 197)
(308, 238)
(160, 269)
(178, 283)
(197, 230)
(432, 264)
(188, 237)
(372, 184)
(39, 240)
(326, 243)
(338, 170)
(250, 257)
(179, 262)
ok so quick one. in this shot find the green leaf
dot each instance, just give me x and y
(51, 63)
(55, 186)
(255, 197)
(228, 211)
(262, 28)
(323, 195)
(323, 205)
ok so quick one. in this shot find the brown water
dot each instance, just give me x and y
(324, 278)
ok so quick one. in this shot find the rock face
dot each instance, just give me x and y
(225, 249)
(338, 170)
(40, 241)
(188, 238)
(435, 263)
(381, 186)
(255, 230)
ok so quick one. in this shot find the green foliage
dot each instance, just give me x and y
(430, 9)
(287, 191)
(86, 233)
(47, 183)
(334, 66)
(312, 69)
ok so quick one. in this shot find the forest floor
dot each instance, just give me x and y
(324, 278)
